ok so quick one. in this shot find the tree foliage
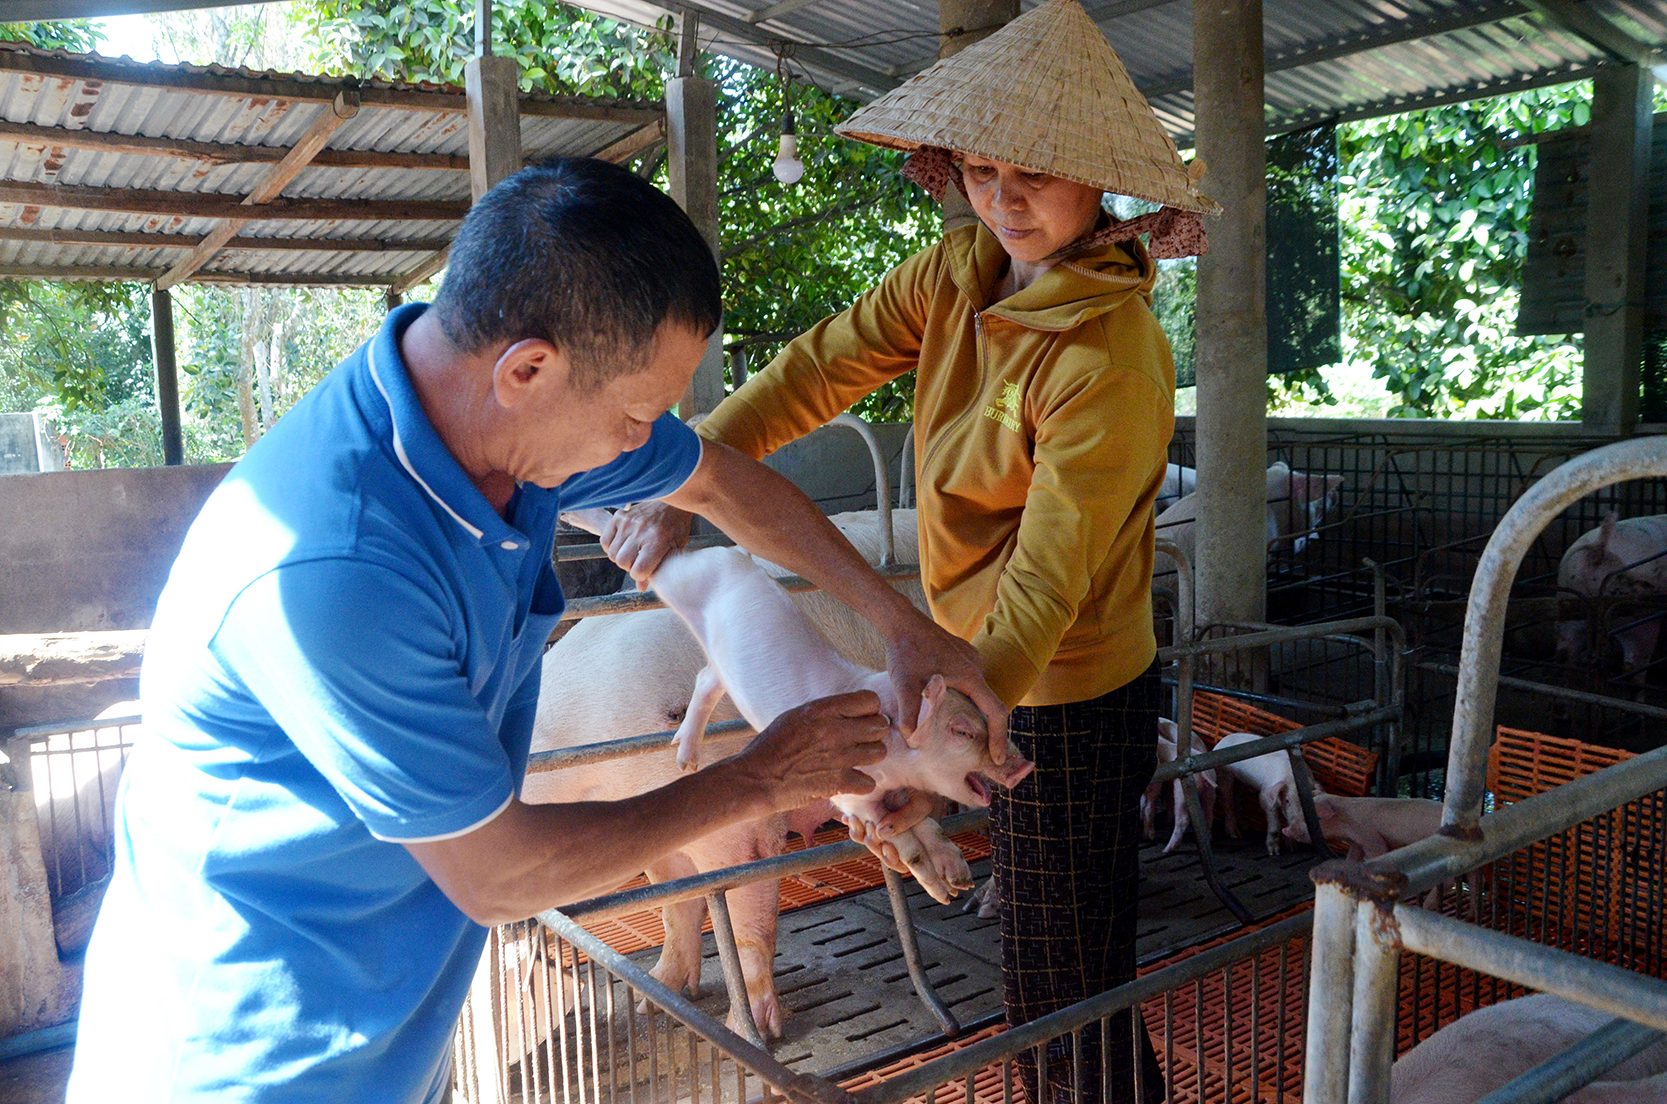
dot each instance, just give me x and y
(790, 255)
(1434, 214)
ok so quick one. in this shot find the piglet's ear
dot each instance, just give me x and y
(930, 698)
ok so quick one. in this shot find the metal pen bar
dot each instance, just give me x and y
(1578, 1066)
(557, 758)
(798, 1088)
(905, 921)
(69, 728)
(723, 934)
(1552, 691)
(882, 483)
(1038, 1032)
(699, 885)
(1432, 861)
(1586, 981)
(637, 601)
(1288, 635)
(1280, 741)
(1484, 621)
(1373, 1011)
(1330, 996)
(576, 552)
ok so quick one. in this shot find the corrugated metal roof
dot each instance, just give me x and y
(1326, 59)
(214, 133)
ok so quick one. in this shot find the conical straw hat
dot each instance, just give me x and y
(1047, 93)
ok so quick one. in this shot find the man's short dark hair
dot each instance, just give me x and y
(585, 255)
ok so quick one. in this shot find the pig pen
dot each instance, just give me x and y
(874, 976)
(1569, 881)
(1416, 506)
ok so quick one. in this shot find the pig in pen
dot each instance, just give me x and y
(1412, 512)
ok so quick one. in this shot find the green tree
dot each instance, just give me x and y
(791, 255)
(1434, 212)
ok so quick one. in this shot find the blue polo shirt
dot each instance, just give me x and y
(346, 656)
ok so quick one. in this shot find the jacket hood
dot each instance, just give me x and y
(1066, 295)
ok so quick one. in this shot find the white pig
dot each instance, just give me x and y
(1275, 784)
(769, 658)
(1621, 557)
(1178, 480)
(1373, 826)
(1297, 503)
(1492, 1046)
(1169, 735)
(629, 674)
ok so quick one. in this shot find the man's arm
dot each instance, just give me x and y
(534, 857)
(767, 515)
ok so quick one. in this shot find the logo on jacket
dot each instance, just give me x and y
(1005, 410)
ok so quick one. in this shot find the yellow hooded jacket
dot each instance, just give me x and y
(1041, 430)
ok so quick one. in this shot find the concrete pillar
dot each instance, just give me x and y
(692, 172)
(167, 375)
(1617, 231)
(960, 24)
(1232, 350)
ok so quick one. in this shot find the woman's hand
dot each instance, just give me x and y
(638, 537)
(877, 837)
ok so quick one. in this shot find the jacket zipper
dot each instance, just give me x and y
(977, 397)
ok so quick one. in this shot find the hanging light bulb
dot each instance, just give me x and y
(787, 167)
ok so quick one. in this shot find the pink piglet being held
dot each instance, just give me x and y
(763, 652)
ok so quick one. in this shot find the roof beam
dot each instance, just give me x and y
(115, 239)
(779, 9)
(138, 201)
(1389, 34)
(1399, 106)
(807, 52)
(632, 144)
(320, 91)
(330, 120)
(422, 272)
(221, 153)
(146, 275)
(1592, 28)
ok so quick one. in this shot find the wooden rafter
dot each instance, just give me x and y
(422, 272)
(175, 79)
(138, 240)
(140, 201)
(148, 275)
(632, 144)
(221, 153)
(330, 120)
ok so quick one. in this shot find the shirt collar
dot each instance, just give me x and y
(415, 444)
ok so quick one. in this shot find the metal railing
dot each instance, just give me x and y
(1360, 925)
(72, 768)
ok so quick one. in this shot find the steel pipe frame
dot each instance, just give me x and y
(1598, 985)
(1001, 1048)
(798, 1088)
(1578, 1066)
(732, 877)
(1484, 621)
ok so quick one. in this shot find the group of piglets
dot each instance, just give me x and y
(1368, 826)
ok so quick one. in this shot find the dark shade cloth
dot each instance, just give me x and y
(1067, 868)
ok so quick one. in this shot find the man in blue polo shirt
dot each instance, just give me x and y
(340, 682)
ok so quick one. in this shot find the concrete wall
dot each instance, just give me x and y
(90, 550)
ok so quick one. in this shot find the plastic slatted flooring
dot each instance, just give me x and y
(846, 991)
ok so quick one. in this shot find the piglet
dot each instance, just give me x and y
(1373, 826)
(1276, 788)
(1168, 736)
(1621, 557)
(763, 652)
(1491, 1047)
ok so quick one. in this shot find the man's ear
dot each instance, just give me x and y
(528, 368)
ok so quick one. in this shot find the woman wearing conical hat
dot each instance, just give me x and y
(1044, 405)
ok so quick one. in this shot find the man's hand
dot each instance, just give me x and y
(638, 537)
(812, 752)
(916, 651)
(877, 837)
